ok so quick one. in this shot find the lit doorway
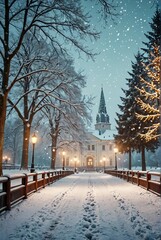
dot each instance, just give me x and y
(90, 162)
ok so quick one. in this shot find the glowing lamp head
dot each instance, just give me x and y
(116, 150)
(63, 153)
(34, 139)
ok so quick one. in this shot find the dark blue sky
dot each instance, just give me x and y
(117, 46)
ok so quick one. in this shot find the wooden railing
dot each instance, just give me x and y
(14, 188)
(147, 179)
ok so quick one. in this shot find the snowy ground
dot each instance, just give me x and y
(85, 206)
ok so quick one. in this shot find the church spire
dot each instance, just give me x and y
(102, 106)
(102, 118)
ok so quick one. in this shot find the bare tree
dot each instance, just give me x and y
(36, 88)
(13, 139)
(67, 121)
(56, 21)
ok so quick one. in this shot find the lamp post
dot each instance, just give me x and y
(115, 151)
(75, 164)
(63, 153)
(34, 140)
(104, 160)
(5, 159)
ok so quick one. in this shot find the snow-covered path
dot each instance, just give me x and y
(85, 206)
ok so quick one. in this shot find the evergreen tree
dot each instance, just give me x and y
(127, 124)
(121, 139)
(151, 88)
(130, 127)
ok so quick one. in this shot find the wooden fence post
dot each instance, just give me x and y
(35, 179)
(132, 174)
(25, 183)
(7, 189)
(48, 174)
(43, 176)
(52, 178)
(148, 177)
(138, 176)
(127, 176)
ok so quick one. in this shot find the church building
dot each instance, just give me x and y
(99, 149)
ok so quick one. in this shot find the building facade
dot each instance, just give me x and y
(97, 151)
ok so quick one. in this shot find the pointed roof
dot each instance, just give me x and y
(102, 105)
(102, 118)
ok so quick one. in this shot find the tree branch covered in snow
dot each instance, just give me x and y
(61, 24)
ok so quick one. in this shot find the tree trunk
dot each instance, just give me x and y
(15, 147)
(4, 80)
(130, 159)
(143, 158)
(25, 147)
(14, 157)
(53, 149)
(160, 99)
(54, 131)
(53, 157)
(3, 106)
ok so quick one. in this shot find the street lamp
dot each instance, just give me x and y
(104, 159)
(34, 140)
(63, 153)
(75, 162)
(115, 151)
(5, 159)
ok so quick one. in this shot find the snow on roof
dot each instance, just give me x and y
(107, 135)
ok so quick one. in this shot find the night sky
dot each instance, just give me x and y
(119, 42)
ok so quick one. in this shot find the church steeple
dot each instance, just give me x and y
(102, 106)
(102, 118)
